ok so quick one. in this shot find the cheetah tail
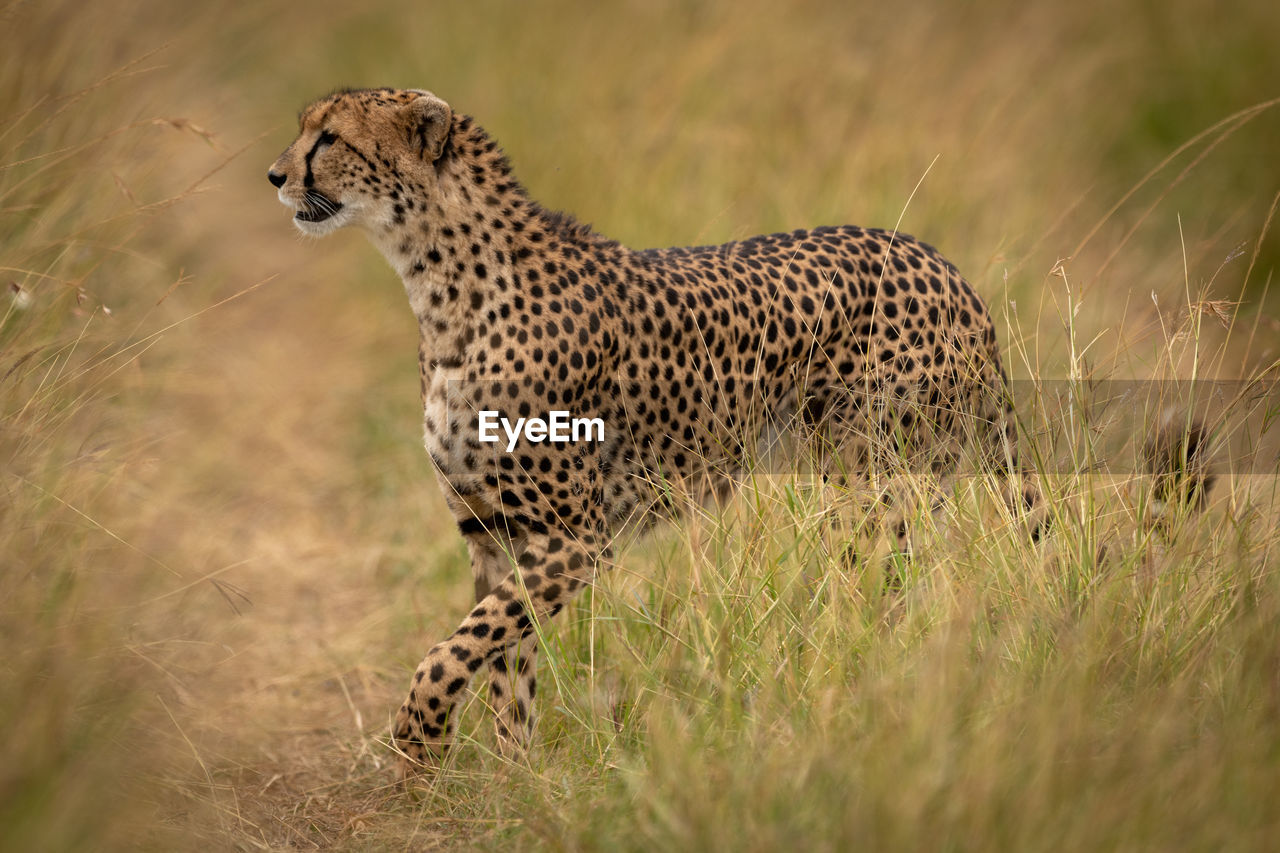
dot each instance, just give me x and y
(1177, 458)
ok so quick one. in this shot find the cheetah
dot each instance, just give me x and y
(864, 338)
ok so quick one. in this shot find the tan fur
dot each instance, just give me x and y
(864, 337)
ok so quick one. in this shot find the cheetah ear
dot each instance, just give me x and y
(427, 122)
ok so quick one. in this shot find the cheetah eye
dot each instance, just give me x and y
(326, 139)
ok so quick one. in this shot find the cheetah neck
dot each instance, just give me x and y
(452, 245)
(461, 249)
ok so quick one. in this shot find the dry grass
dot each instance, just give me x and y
(224, 553)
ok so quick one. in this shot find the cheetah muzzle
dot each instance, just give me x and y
(317, 207)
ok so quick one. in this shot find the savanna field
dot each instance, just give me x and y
(223, 552)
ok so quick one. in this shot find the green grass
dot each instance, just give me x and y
(223, 554)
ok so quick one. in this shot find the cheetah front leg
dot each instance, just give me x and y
(512, 685)
(512, 680)
(553, 569)
(512, 674)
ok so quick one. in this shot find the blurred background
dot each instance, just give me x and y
(222, 548)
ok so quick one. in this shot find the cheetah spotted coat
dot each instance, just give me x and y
(688, 355)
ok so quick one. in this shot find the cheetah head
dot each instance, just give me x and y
(360, 156)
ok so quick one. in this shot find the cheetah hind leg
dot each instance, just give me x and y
(845, 458)
(890, 526)
(1022, 495)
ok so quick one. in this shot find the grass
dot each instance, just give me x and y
(223, 552)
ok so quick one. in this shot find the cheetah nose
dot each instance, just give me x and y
(276, 178)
